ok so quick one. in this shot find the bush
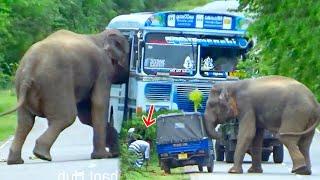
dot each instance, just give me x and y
(6, 81)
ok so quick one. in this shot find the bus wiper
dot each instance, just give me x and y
(192, 47)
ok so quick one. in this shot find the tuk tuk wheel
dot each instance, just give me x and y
(165, 167)
(278, 154)
(200, 168)
(211, 165)
(219, 151)
(229, 156)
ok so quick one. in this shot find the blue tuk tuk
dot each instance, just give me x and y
(182, 140)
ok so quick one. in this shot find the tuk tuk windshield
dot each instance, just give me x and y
(179, 128)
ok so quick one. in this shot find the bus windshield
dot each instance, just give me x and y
(171, 59)
(175, 54)
(216, 62)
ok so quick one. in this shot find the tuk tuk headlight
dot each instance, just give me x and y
(164, 155)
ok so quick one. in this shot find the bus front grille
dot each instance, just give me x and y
(182, 99)
(158, 91)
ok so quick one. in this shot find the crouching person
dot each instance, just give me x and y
(139, 150)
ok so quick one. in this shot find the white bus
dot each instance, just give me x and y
(173, 53)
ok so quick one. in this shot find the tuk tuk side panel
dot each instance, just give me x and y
(199, 153)
(189, 147)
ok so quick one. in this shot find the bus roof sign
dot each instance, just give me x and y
(192, 20)
(179, 19)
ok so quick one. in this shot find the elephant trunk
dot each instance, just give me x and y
(210, 125)
(121, 75)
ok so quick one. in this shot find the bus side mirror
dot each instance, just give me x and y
(141, 44)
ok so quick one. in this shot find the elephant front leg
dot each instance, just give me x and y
(100, 102)
(25, 124)
(247, 129)
(256, 151)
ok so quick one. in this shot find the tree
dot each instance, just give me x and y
(288, 37)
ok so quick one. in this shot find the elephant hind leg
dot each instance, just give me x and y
(84, 112)
(304, 146)
(256, 151)
(56, 124)
(25, 124)
(299, 163)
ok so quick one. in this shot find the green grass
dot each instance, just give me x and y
(8, 122)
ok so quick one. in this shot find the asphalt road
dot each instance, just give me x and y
(70, 154)
(271, 170)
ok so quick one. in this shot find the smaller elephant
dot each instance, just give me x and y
(279, 104)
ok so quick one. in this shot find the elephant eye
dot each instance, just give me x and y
(212, 103)
(118, 44)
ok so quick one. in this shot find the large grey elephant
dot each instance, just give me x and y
(66, 75)
(279, 104)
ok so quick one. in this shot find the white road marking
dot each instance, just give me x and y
(7, 142)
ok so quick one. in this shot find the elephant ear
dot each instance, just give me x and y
(116, 47)
(223, 98)
(214, 94)
(233, 106)
(228, 99)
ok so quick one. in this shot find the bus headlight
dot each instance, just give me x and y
(164, 155)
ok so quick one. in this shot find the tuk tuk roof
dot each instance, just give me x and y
(180, 127)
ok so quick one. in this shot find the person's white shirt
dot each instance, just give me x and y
(141, 147)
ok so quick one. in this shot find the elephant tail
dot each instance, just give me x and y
(22, 97)
(311, 128)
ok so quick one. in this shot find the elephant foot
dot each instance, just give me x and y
(42, 153)
(15, 161)
(114, 154)
(302, 170)
(100, 154)
(14, 158)
(255, 170)
(235, 170)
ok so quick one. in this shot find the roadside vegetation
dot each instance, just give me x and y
(288, 39)
(7, 123)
